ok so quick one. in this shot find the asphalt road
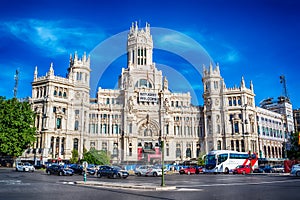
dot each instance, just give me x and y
(37, 185)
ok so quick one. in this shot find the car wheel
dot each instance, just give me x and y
(99, 175)
(23, 169)
(139, 174)
(154, 174)
(244, 172)
(188, 173)
(298, 173)
(48, 172)
(60, 173)
(226, 171)
(114, 176)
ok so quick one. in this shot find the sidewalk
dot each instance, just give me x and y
(126, 185)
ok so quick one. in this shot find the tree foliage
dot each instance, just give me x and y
(97, 157)
(17, 131)
(201, 159)
(294, 152)
(75, 156)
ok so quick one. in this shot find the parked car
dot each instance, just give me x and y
(61, 170)
(278, 169)
(259, 170)
(78, 169)
(112, 172)
(188, 170)
(267, 169)
(295, 171)
(242, 169)
(25, 167)
(148, 170)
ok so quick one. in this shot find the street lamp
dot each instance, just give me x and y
(162, 145)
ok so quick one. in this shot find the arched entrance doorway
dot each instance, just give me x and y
(148, 146)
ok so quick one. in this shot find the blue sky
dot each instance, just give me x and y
(257, 39)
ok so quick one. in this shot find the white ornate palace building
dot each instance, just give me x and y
(127, 122)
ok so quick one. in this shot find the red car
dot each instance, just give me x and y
(242, 169)
(187, 170)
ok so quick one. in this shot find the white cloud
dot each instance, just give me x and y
(54, 37)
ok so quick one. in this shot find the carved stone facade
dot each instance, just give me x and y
(129, 121)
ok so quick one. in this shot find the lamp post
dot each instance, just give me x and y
(162, 143)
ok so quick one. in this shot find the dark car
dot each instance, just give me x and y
(60, 170)
(263, 169)
(78, 169)
(112, 172)
(258, 170)
(268, 169)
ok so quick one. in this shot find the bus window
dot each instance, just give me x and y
(210, 159)
(222, 158)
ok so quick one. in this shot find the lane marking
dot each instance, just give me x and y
(240, 183)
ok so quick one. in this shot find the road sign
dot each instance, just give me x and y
(85, 164)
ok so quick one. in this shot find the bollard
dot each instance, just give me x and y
(84, 177)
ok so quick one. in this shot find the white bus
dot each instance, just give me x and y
(224, 161)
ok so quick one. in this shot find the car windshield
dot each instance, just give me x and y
(116, 168)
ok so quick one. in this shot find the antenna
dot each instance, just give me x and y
(16, 83)
(285, 93)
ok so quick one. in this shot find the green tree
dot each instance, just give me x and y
(75, 156)
(201, 160)
(17, 131)
(97, 157)
(294, 152)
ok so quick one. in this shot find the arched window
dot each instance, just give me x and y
(230, 101)
(178, 151)
(219, 145)
(75, 144)
(234, 101)
(188, 152)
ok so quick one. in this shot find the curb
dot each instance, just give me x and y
(125, 186)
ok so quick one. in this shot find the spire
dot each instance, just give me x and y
(147, 28)
(136, 26)
(210, 68)
(251, 86)
(51, 71)
(217, 69)
(35, 72)
(242, 82)
(84, 57)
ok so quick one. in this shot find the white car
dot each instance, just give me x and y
(25, 167)
(295, 170)
(148, 170)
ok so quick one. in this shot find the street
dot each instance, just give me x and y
(38, 185)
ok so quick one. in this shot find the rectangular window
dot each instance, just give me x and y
(236, 127)
(58, 123)
(76, 126)
(237, 144)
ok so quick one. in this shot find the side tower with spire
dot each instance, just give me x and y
(61, 105)
(229, 114)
